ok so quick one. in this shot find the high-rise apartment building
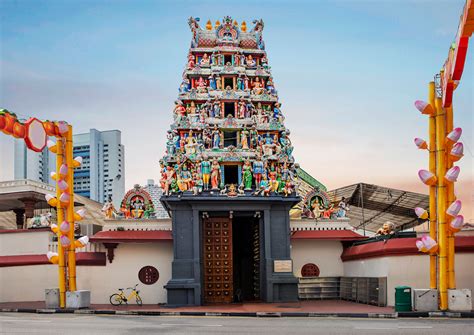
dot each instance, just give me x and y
(102, 174)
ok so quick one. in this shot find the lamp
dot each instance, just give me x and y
(421, 213)
(457, 152)
(456, 224)
(452, 174)
(77, 161)
(427, 177)
(454, 136)
(81, 242)
(52, 201)
(80, 214)
(52, 146)
(421, 143)
(424, 107)
(52, 257)
(454, 208)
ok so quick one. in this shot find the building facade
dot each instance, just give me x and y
(101, 176)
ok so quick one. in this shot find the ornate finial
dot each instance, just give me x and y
(236, 23)
(217, 24)
(243, 27)
(209, 25)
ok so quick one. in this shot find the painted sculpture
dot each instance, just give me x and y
(136, 204)
(228, 133)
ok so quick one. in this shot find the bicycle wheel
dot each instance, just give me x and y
(115, 299)
(138, 299)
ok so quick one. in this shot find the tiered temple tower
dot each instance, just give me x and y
(228, 175)
(228, 131)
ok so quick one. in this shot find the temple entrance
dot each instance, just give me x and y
(231, 259)
(217, 260)
(246, 257)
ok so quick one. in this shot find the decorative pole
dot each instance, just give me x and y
(70, 211)
(432, 169)
(60, 218)
(441, 203)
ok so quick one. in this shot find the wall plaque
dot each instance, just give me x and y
(282, 266)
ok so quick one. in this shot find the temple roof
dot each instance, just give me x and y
(306, 177)
(372, 205)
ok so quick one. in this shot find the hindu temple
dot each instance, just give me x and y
(228, 175)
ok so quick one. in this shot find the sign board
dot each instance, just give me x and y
(282, 266)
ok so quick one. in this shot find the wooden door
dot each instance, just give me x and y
(217, 260)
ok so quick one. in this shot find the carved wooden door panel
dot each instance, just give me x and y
(217, 260)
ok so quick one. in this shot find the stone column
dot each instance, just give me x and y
(20, 217)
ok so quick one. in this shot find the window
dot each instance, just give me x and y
(229, 109)
(230, 138)
(228, 82)
(310, 270)
(148, 275)
(227, 59)
(231, 174)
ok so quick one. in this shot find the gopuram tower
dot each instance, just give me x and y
(228, 175)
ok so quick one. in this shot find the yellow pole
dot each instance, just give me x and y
(441, 203)
(70, 211)
(60, 218)
(450, 199)
(432, 167)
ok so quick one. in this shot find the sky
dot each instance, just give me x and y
(347, 74)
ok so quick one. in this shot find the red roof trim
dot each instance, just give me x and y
(82, 258)
(398, 247)
(339, 235)
(132, 236)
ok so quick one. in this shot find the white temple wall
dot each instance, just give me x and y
(129, 258)
(325, 254)
(27, 283)
(24, 243)
(409, 270)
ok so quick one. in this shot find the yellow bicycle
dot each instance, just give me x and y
(117, 299)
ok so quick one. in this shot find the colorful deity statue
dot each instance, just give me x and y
(197, 183)
(240, 83)
(289, 188)
(237, 59)
(212, 83)
(137, 207)
(191, 63)
(250, 61)
(253, 137)
(170, 177)
(343, 207)
(205, 61)
(185, 86)
(246, 83)
(149, 212)
(205, 167)
(286, 146)
(215, 175)
(170, 144)
(258, 170)
(271, 87)
(108, 209)
(244, 134)
(257, 86)
(272, 179)
(125, 211)
(242, 108)
(179, 111)
(185, 180)
(216, 138)
(216, 108)
(264, 62)
(247, 175)
(218, 82)
(191, 143)
(264, 188)
(201, 85)
(277, 114)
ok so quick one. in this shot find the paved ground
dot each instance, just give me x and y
(20, 323)
(312, 306)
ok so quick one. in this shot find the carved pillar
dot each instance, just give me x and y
(110, 250)
(29, 205)
(20, 217)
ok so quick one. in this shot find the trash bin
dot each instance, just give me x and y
(402, 299)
